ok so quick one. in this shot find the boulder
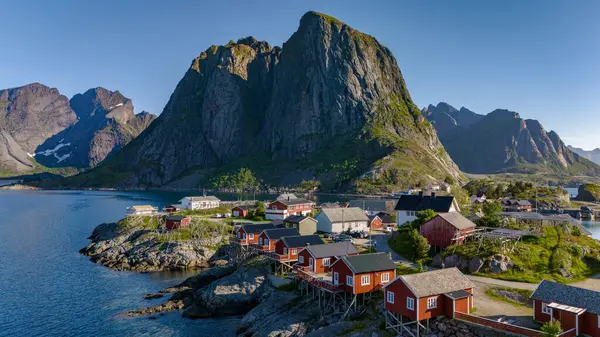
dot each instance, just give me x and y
(499, 263)
(475, 265)
(451, 261)
(437, 261)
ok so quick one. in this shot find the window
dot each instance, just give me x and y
(260, 241)
(239, 235)
(410, 303)
(326, 261)
(385, 277)
(301, 259)
(336, 278)
(365, 280)
(251, 236)
(546, 310)
(285, 251)
(294, 251)
(599, 321)
(266, 242)
(349, 280)
(432, 303)
(390, 297)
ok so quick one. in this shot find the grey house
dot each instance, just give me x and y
(304, 224)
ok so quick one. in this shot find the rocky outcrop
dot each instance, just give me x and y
(499, 263)
(141, 250)
(28, 116)
(589, 192)
(106, 123)
(504, 142)
(329, 89)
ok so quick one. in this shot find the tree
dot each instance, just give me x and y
(423, 217)
(260, 209)
(491, 218)
(552, 328)
(419, 246)
(449, 180)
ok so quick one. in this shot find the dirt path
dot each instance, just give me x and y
(501, 283)
(494, 309)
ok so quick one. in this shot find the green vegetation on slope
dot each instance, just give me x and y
(516, 297)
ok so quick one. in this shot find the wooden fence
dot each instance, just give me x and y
(569, 333)
(499, 325)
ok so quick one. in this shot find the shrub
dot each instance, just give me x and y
(575, 231)
(578, 251)
(560, 258)
(551, 329)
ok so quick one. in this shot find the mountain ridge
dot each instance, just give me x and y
(593, 155)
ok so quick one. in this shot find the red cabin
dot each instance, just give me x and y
(318, 258)
(268, 237)
(375, 223)
(288, 246)
(428, 295)
(446, 229)
(248, 234)
(576, 308)
(240, 211)
(359, 274)
(282, 209)
(176, 222)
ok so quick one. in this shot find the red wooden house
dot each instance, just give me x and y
(427, 295)
(359, 274)
(318, 258)
(375, 223)
(248, 234)
(446, 229)
(240, 211)
(171, 209)
(175, 222)
(288, 246)
(282, 209)
(577, 309)
(268, 237)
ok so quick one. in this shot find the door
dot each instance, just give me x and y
(336, 278)
(311, 264)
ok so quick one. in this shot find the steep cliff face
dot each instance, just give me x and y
(330, 104)
(447, 119)
(504, 142)
(106, 123)
(28, 116)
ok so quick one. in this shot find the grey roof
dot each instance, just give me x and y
(332, 249)
(277, 233)
(297, 218)
(203, 198)
(385, 218)
(176, 217)
(456, 295)
(457, 220)
(295, 202)
(368, 263)
(548, 291)
(277, 223)
(524, 203)
(441, 281)
(417, 203)
(345, 214)
(374, 205)
(257, 228)
(302, 240)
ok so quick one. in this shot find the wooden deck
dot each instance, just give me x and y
(316, 280)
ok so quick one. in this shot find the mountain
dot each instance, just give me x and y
(106, 122)
(504, 142)
(28, 116)
(593, 155)
(330, 104)
(447, 119)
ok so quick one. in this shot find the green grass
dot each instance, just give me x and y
(207, 212)
(406, 270)
(493, 292)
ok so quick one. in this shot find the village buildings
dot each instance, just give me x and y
(514, 205)
(478, 198)
(240, 211)
(141, 210)
(248, 234)
(409, 205)
(428, 295)
(374, 206)
(204, 202)
(176, 222)
(446, 229)
(359, 274)
(268, 237)
(306, 225)
(281, 209)
(576, 308)
(288, 246)
(337, 220)
(318, 258)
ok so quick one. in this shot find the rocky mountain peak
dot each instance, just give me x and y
(102, 103)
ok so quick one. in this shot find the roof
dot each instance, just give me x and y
(457, 220)
(278, 223)
(286, 196)
(439, 204)
(245, 208)
(368, 263)
(441, 281)
(345, 214)
(524, 203)
(549, 292)
(296, 218)
(257, 228)
(277, 233)
(203, 198)
(551, 217)
(332, 249)
(380, 205)
(302, 240)
(568, 308)
(176, 217)
(143, 208)
(386, 218)
(295, 202)
(457, 295)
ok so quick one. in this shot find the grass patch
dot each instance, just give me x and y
(406, 270)
(516, 297)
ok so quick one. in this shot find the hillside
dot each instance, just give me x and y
(106, 122)
(330, 104)
(502, 141)
(593, 155)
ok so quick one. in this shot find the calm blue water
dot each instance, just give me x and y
(573, 191)
(48, 288)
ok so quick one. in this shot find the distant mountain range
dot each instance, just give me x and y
(39, 126)
(593, 155)
(502, 141)
(330, 105)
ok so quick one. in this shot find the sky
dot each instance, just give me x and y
(539, 58)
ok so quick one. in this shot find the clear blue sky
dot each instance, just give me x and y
(539, 58)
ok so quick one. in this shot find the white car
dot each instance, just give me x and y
(389, 229)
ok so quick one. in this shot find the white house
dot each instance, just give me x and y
(337, 220)
(194, 203)
(409, 205)
(141, 210)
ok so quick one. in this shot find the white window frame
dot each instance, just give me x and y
(349, 280)
(432, 302)
(326, 262)
(390, 297)
(266, 242)
(260, 241)
(410, 303)
(599, 320)
(294, 251)
(285, 251)
(336, 278)
(385, 277)
(251, 236)
(301, 259)
(548, 311)
(365, 280)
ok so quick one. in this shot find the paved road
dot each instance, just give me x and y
(381, 243)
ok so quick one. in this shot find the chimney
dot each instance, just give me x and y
(432, 195)
(421, 194)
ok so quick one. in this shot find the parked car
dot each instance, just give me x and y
(342, 237)
(389, 229)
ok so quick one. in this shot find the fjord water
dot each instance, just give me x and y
(48, 289)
